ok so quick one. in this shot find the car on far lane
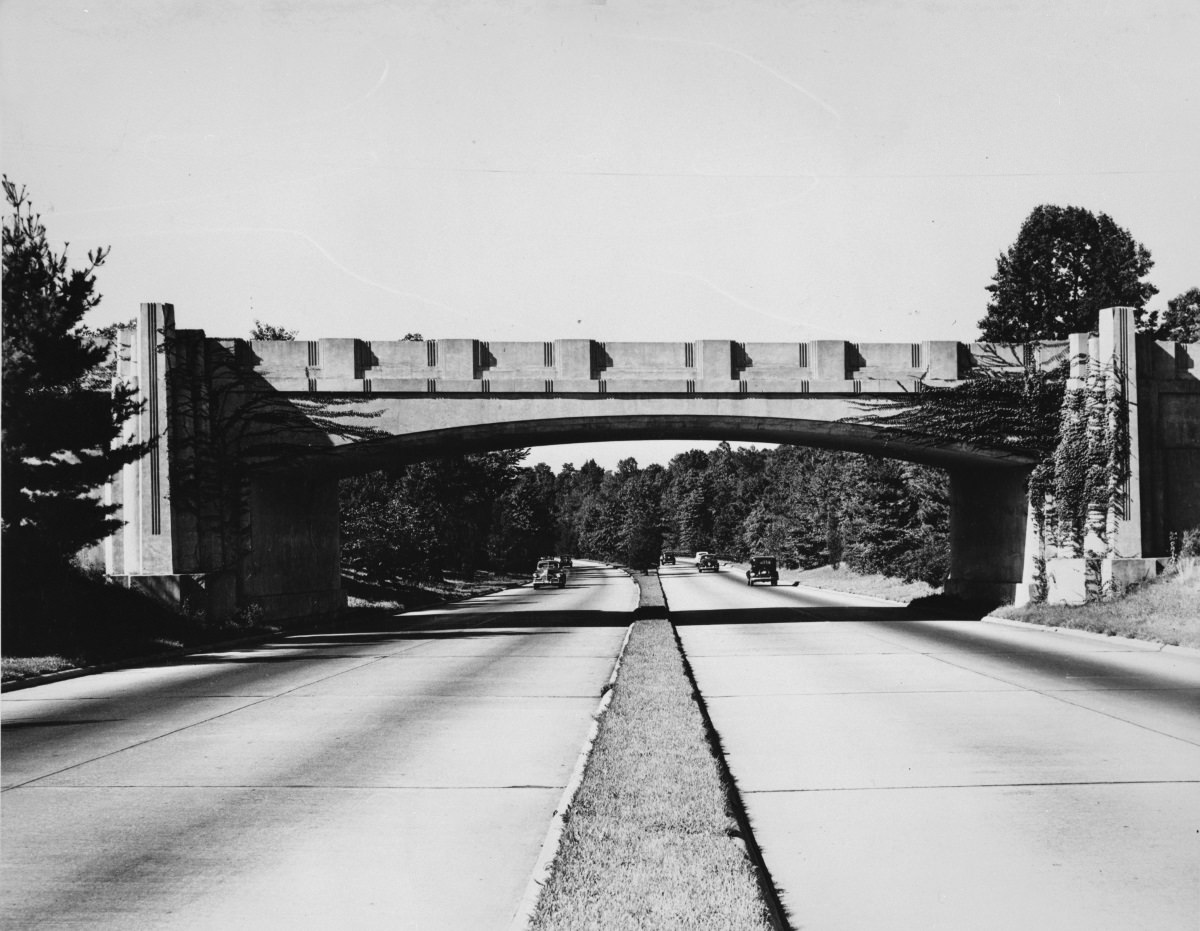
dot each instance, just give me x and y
(763, 569)
(549, 572)
(667, 559)
(708, 563)
(567, 562)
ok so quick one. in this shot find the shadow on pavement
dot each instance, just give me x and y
(809, 615)
(1102, 665)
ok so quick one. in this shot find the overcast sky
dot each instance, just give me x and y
(624, 170)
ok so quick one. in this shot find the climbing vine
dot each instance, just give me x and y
(1079, 436)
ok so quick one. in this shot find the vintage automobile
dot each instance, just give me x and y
(708, 563)
(763, 569)
(549, 572)
(666, 559)
(567, 562)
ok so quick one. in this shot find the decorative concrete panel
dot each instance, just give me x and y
(456, 359)
(459, 385)
(788, 359)
(279, 358)
(620, 384)
(829, 359)
(714, 360)
(511, 385)
(573, 358)
(338, 358)
(513, 358)
(396, 358)
(650, 360)
(400, 385)
(941, 361)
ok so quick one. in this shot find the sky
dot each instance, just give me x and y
(755, 170)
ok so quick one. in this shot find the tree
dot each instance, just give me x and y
(59, 437)
(269, 331)
(1180, 322)
(1065, 265)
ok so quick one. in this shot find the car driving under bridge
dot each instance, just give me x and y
(236, 502)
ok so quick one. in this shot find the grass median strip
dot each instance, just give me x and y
(649, 840)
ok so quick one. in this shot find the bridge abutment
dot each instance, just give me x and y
(293, 563)
(989, 524)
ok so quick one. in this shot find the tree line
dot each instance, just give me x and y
(808, 507)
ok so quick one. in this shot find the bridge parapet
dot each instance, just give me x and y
(589, 367)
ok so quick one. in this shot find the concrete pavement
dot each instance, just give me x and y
(909, 774)
(401, 778)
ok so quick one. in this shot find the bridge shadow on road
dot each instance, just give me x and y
(1107, 664)
(816, 614)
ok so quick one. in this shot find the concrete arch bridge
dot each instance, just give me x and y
(237, 501)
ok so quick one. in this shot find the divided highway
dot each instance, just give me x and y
(899, 773)
(397, 779)
(909, 774)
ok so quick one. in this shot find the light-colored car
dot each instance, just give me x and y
(549, 572)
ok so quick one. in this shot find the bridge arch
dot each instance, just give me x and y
(370, 454)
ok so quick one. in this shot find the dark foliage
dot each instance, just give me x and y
(59, 435)
(1180, 321)
(1066, 264)
(269, 331)
(807, 507)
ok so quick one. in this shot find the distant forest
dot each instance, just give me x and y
(489, 512)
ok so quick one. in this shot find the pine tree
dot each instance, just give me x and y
(59, 437)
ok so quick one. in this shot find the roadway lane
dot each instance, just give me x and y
(909, 774)
(400, 778)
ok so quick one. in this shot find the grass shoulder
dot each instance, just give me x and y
(847, 580)
(1165, 610)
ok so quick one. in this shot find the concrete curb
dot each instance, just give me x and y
(545, 861)
(1149, 646)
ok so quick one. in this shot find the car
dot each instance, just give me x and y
(700, 554)
(567, 562)
(708, 563)
(549, 572)
(763, 569)
(667, 559)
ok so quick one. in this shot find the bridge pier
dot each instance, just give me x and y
(989, 535)
(292, 567)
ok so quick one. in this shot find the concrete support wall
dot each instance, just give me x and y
(989, 520)
(293, 564)
(1118, 360)
(1169, 422)
(143, 488)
